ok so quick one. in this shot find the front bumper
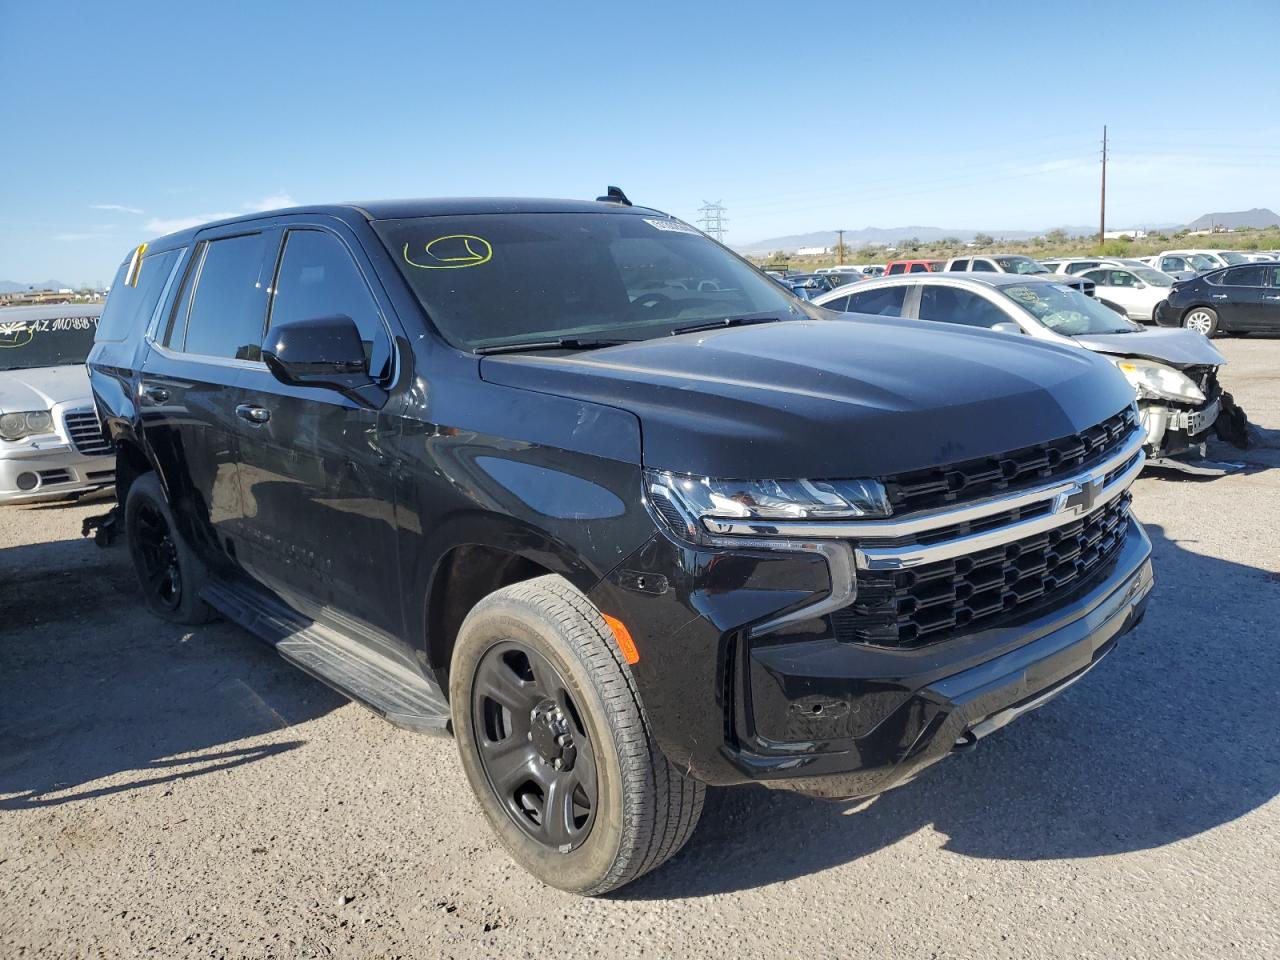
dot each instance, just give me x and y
(1165, 316)
(1174, 430)
(50, 471)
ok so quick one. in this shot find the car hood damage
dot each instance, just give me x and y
(1177, 348)
(830, 398)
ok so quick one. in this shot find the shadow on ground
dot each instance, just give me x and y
(92, 686)
(1172, 735)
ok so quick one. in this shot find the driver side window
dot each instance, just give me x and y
(318, 278)
(952, 305)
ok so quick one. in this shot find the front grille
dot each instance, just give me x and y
(86, 434)
(913, 608)
(989, 476)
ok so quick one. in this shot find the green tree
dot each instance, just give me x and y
(983, 240)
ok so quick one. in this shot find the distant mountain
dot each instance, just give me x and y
(13, 286)
(890, 235)
(1257, 217)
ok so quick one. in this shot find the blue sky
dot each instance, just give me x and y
(130, 119)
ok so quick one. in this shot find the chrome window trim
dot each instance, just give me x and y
(1058, 494)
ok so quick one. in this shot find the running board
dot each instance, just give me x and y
(404, 698)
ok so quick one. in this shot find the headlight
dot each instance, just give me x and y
(1156, 380)
(15, 426)
(695, 499)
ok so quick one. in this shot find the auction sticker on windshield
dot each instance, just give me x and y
(671, 226)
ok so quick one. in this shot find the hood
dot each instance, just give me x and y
(826, 399)
(1178, 348)
(41, 387)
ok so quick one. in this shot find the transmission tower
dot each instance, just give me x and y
(713, 219)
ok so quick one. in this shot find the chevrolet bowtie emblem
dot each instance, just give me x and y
(1082, 497)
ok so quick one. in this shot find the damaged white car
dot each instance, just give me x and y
(1173, 372)
(51, 443)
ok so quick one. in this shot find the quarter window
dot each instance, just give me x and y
(952, 305)
(318, 278)
(223, 308)
(129, 308)
(839, 304)
(885, 302)
(983, 266)
(961, 265)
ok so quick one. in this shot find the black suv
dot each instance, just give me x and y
(575, 483)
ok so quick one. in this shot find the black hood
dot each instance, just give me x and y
(831, 398)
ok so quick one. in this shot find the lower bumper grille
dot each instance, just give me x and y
(926, 604)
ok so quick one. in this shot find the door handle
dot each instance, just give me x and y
(155, 394)
(1269, 297)
(1219, 296)
(247, 411)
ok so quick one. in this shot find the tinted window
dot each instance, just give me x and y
(1274, 276)
(1243, 277)
(225, 309)
(129, 307)
(918, 268)
(885, 302)
(839, 304)
(45, 336)
(318, 278)
(983, 266)
(952, 305)
(961, 264)
(895, 268)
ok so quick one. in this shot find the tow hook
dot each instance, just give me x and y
(104, 528)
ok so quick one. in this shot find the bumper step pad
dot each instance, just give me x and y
(401, 696)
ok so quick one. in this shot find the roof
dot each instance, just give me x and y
(48, 311)
(431, 207)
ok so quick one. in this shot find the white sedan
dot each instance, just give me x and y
(1136, 290)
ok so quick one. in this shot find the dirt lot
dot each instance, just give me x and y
(185, 793)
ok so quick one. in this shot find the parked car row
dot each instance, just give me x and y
(662, 525)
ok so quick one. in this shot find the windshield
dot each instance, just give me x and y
(1200, 262)
(495, 279)
(1021, 265)
(44, 341)
(1233, 259)
(1153, 278)
(1066, 311)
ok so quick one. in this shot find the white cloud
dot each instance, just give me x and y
(117, 208)
(273, 202)
(161, 225)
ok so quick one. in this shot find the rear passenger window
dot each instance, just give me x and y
(1243, 277)
(894, 268)
(129, 306)
(885, 302)
(222, 303)
(839, 304)
(961, 265)
(951, 305)
(318, 278)
(983, 266)
(918, 268)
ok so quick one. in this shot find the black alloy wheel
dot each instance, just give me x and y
(534, 747)
(157, 556)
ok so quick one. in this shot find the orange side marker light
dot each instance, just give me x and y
(623, 636)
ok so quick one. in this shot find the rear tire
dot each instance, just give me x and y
(169, 573)
(541, 696)
(1202, 320)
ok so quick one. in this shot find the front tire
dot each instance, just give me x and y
(1202, 320)
(169, 573)
(556, 745)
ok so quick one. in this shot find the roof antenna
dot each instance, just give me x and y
(614, 195)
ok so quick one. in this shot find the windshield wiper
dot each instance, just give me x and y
(560, 343)
(724, 322)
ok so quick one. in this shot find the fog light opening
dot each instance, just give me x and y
(28, 480)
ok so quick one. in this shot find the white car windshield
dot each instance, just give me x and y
(1021, 265)
(1153, 278)
(1201, 262)
(1233, 259)
(1066, 311)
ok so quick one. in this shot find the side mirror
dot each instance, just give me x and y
(1139, 285)
(1006, 326)
(322, 352)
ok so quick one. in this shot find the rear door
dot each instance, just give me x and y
(1243, 306)
(187, 390)
(316, 473)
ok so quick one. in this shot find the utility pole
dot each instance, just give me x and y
(1102, 217)
(840, 247)
(713, 219)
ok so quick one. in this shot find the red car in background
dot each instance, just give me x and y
(912, 266)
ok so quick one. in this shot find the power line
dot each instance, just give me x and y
(1102, 212)
(713, 219)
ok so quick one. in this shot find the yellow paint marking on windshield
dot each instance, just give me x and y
(452, 252)
(135, 266)
(11, 334)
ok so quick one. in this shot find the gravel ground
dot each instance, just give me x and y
(185, 793)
